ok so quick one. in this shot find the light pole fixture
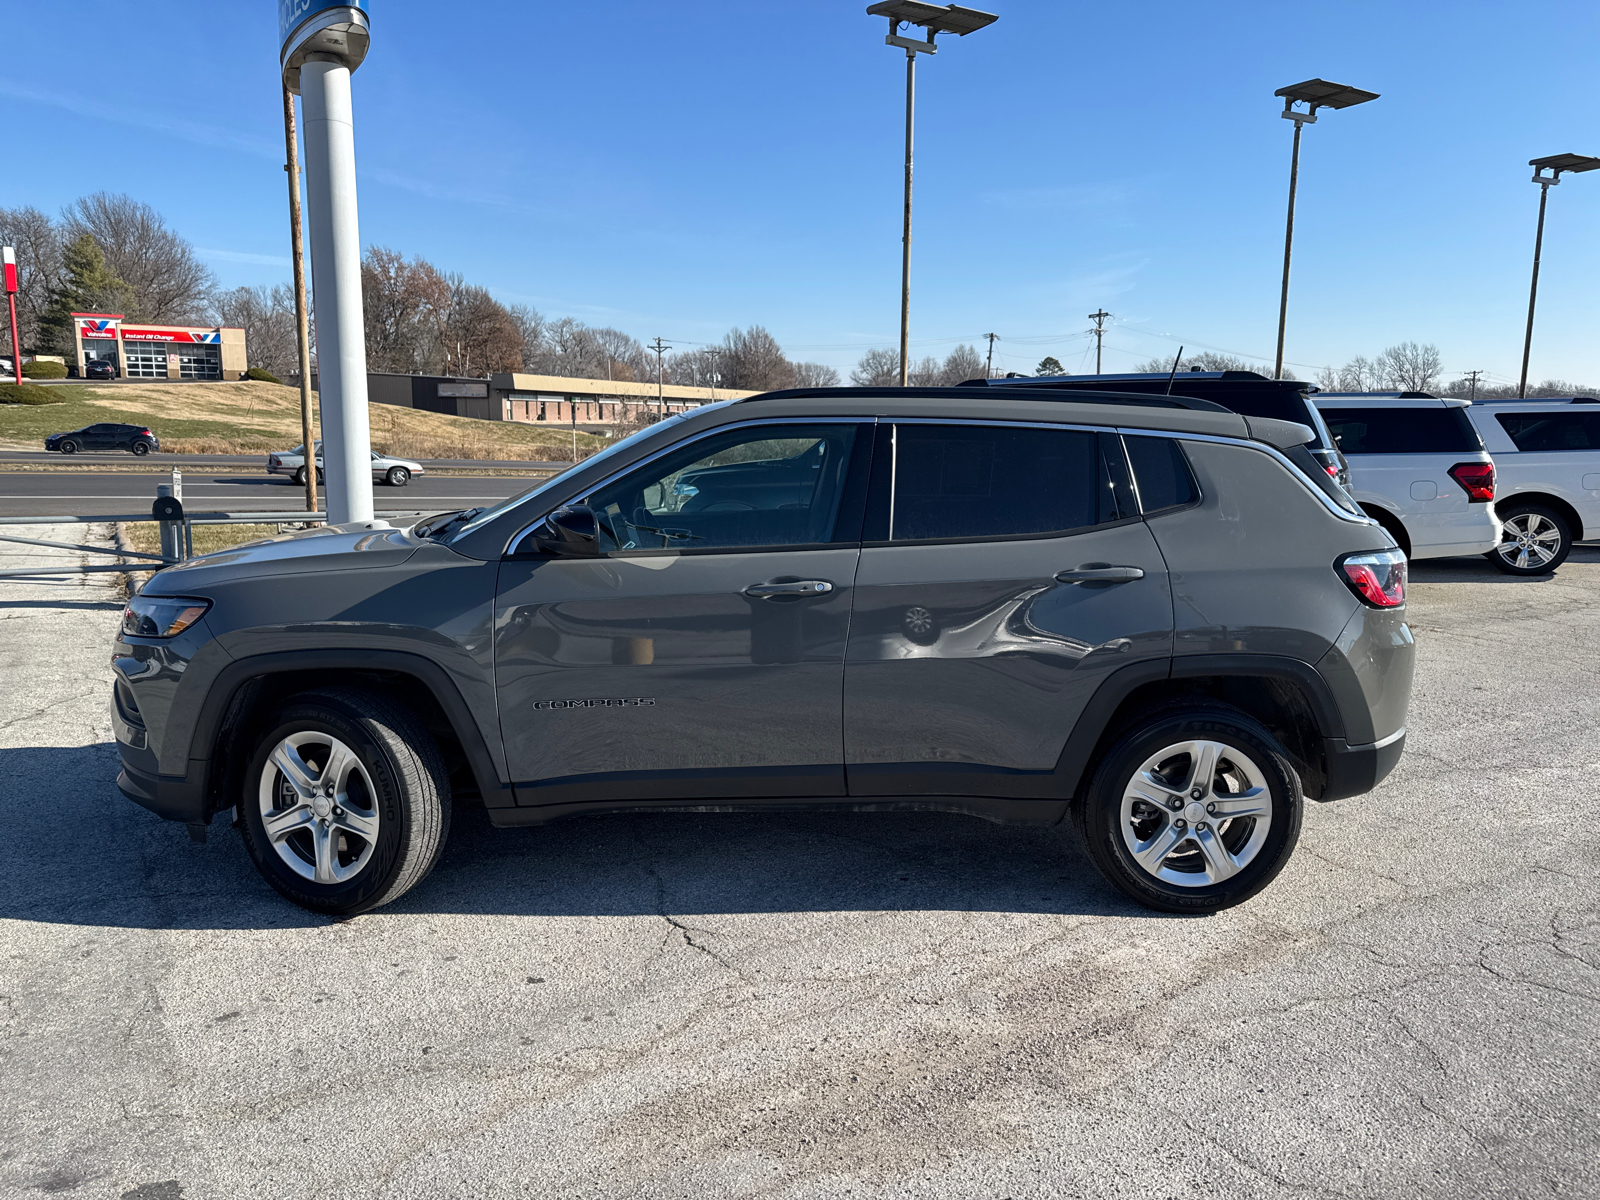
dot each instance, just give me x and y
(1555, 164)
(320, 45)
(1314, 94)
(936, 19)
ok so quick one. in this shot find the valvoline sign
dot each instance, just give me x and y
(104, 330)
(293, 13)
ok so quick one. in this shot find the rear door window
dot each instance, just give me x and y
(1423, 430)
(951, 482)
(1545, 431)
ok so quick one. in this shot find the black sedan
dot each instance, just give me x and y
(136, 439)
(100, 368)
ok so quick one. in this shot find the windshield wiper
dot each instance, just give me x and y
(444, 521)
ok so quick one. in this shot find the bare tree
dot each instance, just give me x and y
(170, 284)
(961, 364)
(754, 362)
(1411, 367)
(479, 335)
(267, 317)
(1205, 360)
(1360, 374)
(877, 368)
(815, 375)
(530, 326)
(406, 306)
(38, 245)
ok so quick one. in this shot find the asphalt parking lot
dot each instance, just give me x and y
(817, 1006)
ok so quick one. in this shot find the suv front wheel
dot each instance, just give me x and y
(1194, 810)
(1536, 540)
(346, 803)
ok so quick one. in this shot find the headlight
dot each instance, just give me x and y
(161, 616)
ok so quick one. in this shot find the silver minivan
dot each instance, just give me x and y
(1418, 468)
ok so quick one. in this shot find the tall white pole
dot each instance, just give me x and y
(336, 283)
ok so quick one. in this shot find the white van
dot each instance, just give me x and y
(1547, 463)
(1418, 467)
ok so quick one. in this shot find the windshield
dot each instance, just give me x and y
(505, 506)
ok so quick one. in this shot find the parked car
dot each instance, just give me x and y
(136, 439)
(99, 368)
(1166, 623)
(396, 472)
(1243, 392)
(1417, 467)
(1547, 477)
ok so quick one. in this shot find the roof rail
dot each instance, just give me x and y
(1032, 394)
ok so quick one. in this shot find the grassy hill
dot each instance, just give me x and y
(248, 417)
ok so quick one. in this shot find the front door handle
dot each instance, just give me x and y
(800, 587)
(1100, 574)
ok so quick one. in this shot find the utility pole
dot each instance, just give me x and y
(988, 369)
(660, 347)
(1473, 376)
(1099, 319)
(302, 327)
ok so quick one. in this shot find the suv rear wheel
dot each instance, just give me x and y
(1536, 541)
(1193, 810)
(345, 805)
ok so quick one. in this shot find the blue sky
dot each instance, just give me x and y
(676, 169)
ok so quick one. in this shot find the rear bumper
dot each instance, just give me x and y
(1353, 770)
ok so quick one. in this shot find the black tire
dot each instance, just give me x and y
(920, 625)
(299, 477)
(1531, 530)
(68, 446)
(140, 449)
(409, 797)
(398, 477)
(1098, 816)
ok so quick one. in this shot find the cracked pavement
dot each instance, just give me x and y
(799, 1006)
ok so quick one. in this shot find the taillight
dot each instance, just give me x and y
(1476, 478)
(1332, 469)
(1378, 577)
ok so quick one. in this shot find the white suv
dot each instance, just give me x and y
(1547, 458)
(1418, 468)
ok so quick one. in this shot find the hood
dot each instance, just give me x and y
(330, 548)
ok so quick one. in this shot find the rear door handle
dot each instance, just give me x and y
(1100, 575)
(801, 587)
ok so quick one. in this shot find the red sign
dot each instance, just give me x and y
(9, 255)
(130, 334)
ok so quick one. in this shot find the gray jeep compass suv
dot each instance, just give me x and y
(1158, 618)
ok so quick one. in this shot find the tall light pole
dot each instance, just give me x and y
(935, 18)
(321, 44)
(1314, 94)
(1555, 164)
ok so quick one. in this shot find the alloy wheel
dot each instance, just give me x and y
(319, 807)
(1531, 541)
(1196, 813)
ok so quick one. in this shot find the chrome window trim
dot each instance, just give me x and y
(1283, 461)
(674, 448)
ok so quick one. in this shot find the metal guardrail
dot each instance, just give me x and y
(177, 532)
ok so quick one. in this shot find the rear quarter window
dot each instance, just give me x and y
(1161, 473)
(1402, 430)
(1546, 431)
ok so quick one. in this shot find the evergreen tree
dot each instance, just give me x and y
(1050, 365)
(87, 285)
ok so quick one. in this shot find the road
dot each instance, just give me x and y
(806, 1007)
(255, 462)
(91, 493)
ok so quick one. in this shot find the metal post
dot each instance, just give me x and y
(336, 279)
(170, 542)
(302, 325)
(905, 237)
(1288, 246)
(1533, 289)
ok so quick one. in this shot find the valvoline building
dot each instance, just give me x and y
(140, 351)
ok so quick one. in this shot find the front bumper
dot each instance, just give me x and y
(1353, 770)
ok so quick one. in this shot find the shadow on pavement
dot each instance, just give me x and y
(77, 852)
(1477, 569)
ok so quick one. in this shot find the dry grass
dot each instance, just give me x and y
(145, 536)
(238, 418)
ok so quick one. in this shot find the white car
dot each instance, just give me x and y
(1418, 468)
(1547, 465)
(396, 472)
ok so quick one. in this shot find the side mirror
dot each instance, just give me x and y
(570, 531)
